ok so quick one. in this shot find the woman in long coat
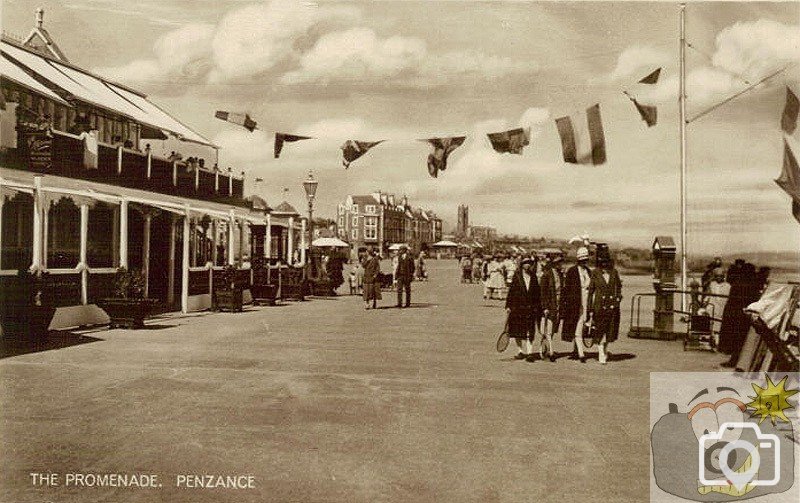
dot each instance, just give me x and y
(523, 305)
(605, 295)
(372, 279)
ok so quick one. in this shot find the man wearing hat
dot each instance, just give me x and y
(524, 309)
(574, 303)
(404, 275)
(551, 283)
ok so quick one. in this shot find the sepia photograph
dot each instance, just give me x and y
(399, 251)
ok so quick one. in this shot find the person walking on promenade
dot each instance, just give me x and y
(745, 289)
(422, 274)
(510, 266)
(574, 303)
(717, 287)
(523, 306)
(466, 269)
(477, 269)
(372, 278)
(605, 295)
(496, 280)
(550, 288)
(404, 276)
(395, 260)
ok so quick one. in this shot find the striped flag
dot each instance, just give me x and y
(789, 179)
(790, 112)
(243, 120)
(353, 149)
(442, 148)
(282, 137)
(582, 138)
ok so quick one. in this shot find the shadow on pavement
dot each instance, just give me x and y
(156, 326)
(55, 340)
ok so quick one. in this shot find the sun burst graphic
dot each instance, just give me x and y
(771, 401)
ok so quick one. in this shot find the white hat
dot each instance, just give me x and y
(583, 253)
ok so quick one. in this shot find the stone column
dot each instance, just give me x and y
(83, 259)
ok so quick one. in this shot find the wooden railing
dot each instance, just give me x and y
(62, 154)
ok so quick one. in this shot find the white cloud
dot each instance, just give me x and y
(359, 55)
(743, 52)
(303, 43)
(247, 41)
(753, 49)
(637, 60)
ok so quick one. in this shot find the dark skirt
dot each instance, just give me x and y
(372, 291)
(606, 323)
(522, 323)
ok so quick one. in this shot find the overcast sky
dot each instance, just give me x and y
(407, 70)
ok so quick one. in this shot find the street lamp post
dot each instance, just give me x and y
(310, 186)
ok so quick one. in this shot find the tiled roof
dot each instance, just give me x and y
(285, 209)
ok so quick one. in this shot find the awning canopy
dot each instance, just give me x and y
(329, 243)
(99, 92)
(15, 74)
(111, 193)
(397, 246)
(445, 244)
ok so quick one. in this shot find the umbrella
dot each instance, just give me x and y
(446, 244)
(397, 246)
(329, 243)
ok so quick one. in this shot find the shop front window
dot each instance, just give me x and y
(17, 232)
(63, 235)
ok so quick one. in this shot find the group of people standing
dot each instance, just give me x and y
(403, 269)
(730, 292)
(581, 302)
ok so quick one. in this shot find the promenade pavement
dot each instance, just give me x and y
(324, 401)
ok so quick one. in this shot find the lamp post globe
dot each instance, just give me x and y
(310, 187)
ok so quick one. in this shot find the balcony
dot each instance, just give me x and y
(62, 154)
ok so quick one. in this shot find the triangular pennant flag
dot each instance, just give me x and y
(790, 112)
(582, 138)
(649, 113)
(511, 142)
(651, 78)
(353, 149)
(243, 120)
(442, 148)
(282, 137)
(789, 179)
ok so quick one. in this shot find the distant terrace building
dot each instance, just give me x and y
(81, 192)
(485, 235)
(379, 220)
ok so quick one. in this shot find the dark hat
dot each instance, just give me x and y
(527, 260)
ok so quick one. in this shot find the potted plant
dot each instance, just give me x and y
(228, 291)
(128, 307)
(27, 305)
(262, 290)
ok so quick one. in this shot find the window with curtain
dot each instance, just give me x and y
(102, 243)
(17, 232)
(63, 234)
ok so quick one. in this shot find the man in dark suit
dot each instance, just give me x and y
(574, 303)
(405, 274)
(550, 293)
(372, 280)
(524, 309)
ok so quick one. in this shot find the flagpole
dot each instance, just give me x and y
(682, 104)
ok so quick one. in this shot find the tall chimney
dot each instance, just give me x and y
(39, 17)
